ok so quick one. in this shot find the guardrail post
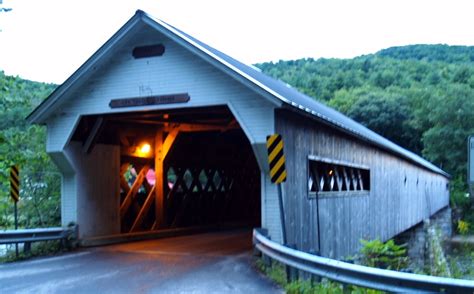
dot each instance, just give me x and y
(314, 278)
(267, 261)
(291, 272)
(257, 252)
(346, 289)
(27, 247)
(70, 238)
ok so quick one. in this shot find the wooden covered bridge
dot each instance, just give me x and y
(158, 130)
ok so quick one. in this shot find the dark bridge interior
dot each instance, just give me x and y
(179, 168)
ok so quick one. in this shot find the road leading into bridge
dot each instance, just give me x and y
(219, 262)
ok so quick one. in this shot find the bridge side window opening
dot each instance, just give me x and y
(325, 175)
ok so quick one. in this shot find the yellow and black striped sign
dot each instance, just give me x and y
(276, 158)
(15, 183)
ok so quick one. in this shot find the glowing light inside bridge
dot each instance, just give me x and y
(144, 149)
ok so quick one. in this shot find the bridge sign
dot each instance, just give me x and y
(470, 163)
(276, 158)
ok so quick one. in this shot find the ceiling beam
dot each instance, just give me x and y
(139, 130)
(200, 128)
(93, 135)
(163, 122)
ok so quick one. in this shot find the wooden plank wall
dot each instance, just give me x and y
(392, 205)
(92, 193)
(68, 199)
(270, 209)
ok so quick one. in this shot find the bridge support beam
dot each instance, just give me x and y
(162, 147)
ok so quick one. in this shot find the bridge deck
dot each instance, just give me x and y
(206, 263)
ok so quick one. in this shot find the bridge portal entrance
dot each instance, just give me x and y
(178, 168)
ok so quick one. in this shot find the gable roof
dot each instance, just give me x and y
(276, 89)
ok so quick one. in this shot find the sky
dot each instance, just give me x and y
(47, 40)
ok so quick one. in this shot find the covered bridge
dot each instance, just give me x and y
(158, 130)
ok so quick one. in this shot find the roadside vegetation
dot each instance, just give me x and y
(37, 249)
(24, 145)
(374, 253)
(461, 262)
(385, 255)
(276, 272)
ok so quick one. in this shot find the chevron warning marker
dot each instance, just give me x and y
(15, 183)
(276, 158)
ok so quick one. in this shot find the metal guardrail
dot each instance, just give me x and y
(358, 275)
(36, 235)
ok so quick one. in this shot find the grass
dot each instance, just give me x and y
(461, 263)
(276, 272)
(44, 248)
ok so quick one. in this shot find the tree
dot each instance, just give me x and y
(388, 114)
(451, 113)
(24, 145)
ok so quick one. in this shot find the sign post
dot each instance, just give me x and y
(276, 161)
(15, 194)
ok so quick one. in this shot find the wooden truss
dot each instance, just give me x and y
(186, 192)
(194, 182)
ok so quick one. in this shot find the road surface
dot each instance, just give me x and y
(219, 262)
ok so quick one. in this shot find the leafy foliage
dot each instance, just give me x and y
(460, 263)
(463, 227)
(37, 249)
(387, 255)
(276, 272)
(384, 110)
(24, 145)
(445, 53)
(462, 206)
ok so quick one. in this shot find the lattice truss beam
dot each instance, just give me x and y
(192, 180)
(327, 177)
(182, 190)
(154, 194)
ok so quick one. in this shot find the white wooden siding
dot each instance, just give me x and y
(68, 199)
(270, 209)
(177, 71)
(60, 129)
(93, 193)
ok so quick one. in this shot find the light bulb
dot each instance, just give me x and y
(145, 148)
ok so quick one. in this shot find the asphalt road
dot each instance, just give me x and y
(218, 262)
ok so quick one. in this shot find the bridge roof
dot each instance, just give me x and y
(278, 90)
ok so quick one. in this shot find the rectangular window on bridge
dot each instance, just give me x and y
(331, 177)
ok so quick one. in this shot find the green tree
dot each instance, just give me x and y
(24, 145)
(389, 114)
(451, 114)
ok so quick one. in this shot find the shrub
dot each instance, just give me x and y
(386, 255)
(463, 227)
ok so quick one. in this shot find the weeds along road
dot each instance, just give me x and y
(219, 262)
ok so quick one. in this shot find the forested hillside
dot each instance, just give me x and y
(450, 54)
(24, 145)
(421, 97)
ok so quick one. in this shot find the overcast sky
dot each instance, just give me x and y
(47, 40)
